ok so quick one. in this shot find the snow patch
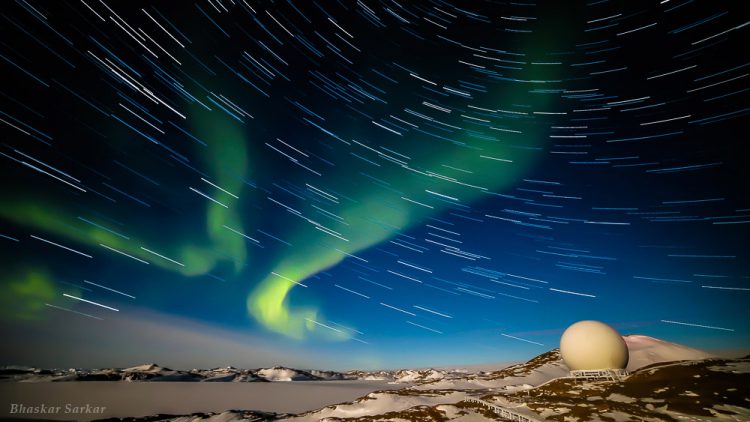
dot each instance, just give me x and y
(620, 398)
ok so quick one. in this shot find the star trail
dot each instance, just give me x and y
(400, 182)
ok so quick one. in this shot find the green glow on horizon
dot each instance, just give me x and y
(269, 305)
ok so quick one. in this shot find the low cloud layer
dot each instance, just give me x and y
(140, 337)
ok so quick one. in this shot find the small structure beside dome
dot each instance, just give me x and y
(593, 350)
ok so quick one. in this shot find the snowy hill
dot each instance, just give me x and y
(440, 395)
(646, 350)
(148, 372)
(279, 373)
(705, 390)
(370, 375)
(154, 373)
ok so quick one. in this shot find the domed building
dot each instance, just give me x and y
(594, 350)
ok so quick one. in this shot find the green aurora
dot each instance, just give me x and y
(366, 216)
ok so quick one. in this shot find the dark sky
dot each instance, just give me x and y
(371, 183)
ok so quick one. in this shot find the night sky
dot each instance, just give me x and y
(341, 184)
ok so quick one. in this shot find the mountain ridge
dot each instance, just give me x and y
(643, 350)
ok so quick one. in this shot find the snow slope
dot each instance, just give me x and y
(380, 402)
(646, 351)
(542, 368)
(279, 373)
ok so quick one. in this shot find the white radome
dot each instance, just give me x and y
(589, 345)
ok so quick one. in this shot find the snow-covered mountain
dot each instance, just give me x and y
(644, 350)
(279, 373)
(668, 382)
(153, 373)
